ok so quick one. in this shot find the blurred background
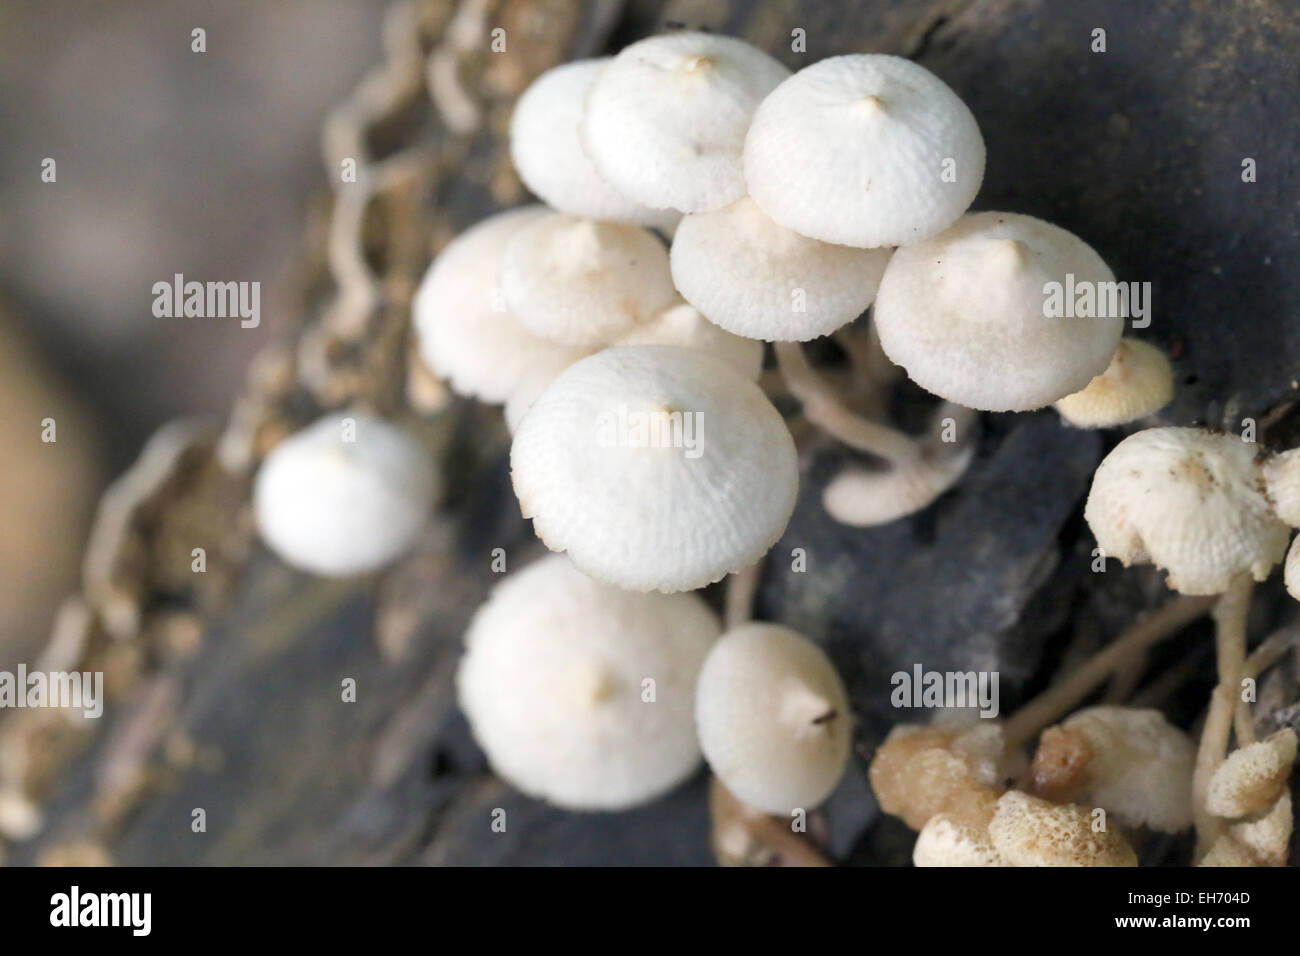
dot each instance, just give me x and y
(167, 161)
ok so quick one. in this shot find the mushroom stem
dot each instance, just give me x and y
(742, 586)
(1062, 697)
(1230, 613)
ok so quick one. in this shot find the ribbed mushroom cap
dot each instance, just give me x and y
(545, 149)
(1137, 382)
(655, 467)
(466, 334)
(763, 281)
(855, 150)
(773, 718)
(1188, 502)
(580, 282)
(1140, 766)
(665, 120)
(1027, 831)
(334, 507)
(1282, 481)
(553, 684)
(963, 313)
(1252, 778)
(679, 325)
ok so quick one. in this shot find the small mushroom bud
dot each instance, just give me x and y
(466, 333)
(1253, 778)
(919, 771)
(655, 468)
(581, 283)
(665, 120)
(1027, 831)
(553, 683)
(959, 836)
(546, 151)
(864, 150)
(335, 503)
(760, 280)
(1138, 382)
(1130, 761)
(965, 313)
(773, 718)
(1188, 502)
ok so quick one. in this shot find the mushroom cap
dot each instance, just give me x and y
(1138, 382)
(580, 282)
(665, 120)
(1267, 839)
(963, 313)
(1188, 502)
(546, 151)
(854, 150)
(1027, 831)
(466, 334)
(1140, 768)
(1253, 777)
(1291, 572)
(655, 467)
(1282, 481)
(760, 280)
(552, 686)
(533, 383)
(684, 326)
(334, 507)
(959, 836)
(773, 718)
(920, 771)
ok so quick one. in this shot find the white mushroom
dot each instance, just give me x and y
(665, 120)
(1188, 502)
(773, 718)
(1137, 382)
(655, 467)
(864, 150)
(965, 313)
(466, 333)
(580, 282)
(545, 149)
(346, 495)
(1027, 831)
(581, 693)
(763, 281)
(1130, 761)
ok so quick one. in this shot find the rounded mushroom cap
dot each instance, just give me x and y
(920, 771)
(552, 683)
(1291, 573)
(773, 718)
(1188, 502)
(1139, 767)
(864, 150)
(1282, 481)
(959, 836)
(466, 333)
(655, 467)
(963, 313)
(665, 120)
(1138, 382)
(581, 282)
(682, 325)
(336, 499)
(1027, 831)
(546, 151)
(1253, 778)
(763, 281)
